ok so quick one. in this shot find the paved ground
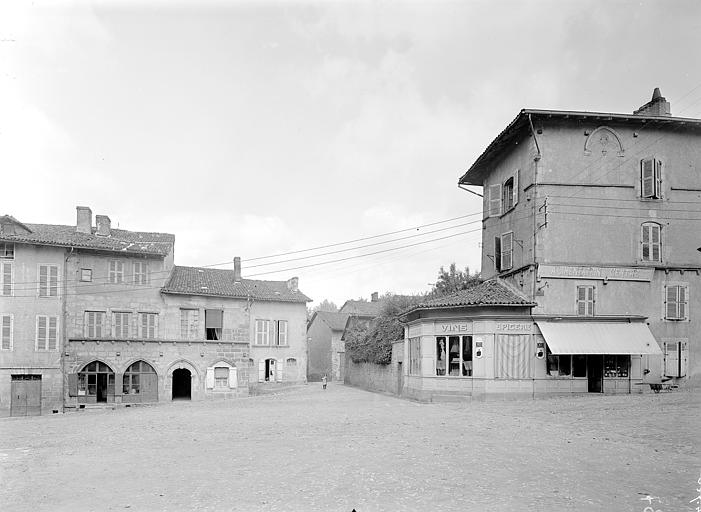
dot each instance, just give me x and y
(344, 448)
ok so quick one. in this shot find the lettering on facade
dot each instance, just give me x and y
(612, 273)
(455, 327)
(513, 327)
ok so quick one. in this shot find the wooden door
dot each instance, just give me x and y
(25, 395)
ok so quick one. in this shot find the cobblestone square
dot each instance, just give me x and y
(344, 448)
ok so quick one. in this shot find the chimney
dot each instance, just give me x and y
(657, 106)
(293, 284)
(103, 224)
(84, 220)
(237, 269)
(374, 297)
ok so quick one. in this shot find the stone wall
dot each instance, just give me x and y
(373, 377)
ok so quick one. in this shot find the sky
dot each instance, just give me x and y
(256, 129)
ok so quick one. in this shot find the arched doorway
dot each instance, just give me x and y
(182, 384)
(140, 383)
(96, 383)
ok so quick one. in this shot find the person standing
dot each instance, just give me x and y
(323, 381)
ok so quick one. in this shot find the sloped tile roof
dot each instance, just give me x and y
(120, 240)
(361, 308)
(220, 283)
(494, 292)
(335, 321)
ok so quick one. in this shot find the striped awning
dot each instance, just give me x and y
(598, 337)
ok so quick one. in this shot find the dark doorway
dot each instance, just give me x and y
(101, 387)
(595, 373)
(400, 378)
(182, 384)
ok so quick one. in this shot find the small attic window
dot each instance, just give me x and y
(204, 287)
(7, 250)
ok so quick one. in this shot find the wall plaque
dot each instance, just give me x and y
(610, 273)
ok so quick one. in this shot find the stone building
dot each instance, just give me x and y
(92, 314)
(587, 216)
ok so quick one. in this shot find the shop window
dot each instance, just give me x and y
(135, 377)
(585, 300)
(415, 356)
(676, 301)
(616, 366)
(96, 380)
(559, 365)
(651, 242)
(454, 356)
(579, 365)
(213, 323)
(651, 178)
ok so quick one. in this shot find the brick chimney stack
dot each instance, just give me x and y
(657, 106)
(103, 224)
(237, 269)
(374, 297)
(84, 220)
(293, 284)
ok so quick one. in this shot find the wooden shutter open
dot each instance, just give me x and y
(233, 378)
(647, 177)
(671, 359)
(497, 253)
(515, 190)
(494, 202)
(210, 378)
(507, 251)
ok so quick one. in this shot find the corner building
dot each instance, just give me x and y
(592, 218)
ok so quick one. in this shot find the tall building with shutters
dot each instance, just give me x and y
(93, 315)
(593, 218)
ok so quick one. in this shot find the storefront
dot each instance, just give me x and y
(483, 343)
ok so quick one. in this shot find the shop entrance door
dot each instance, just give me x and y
(595, 373)
(182, 384)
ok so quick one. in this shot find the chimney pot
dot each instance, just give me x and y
(237, 269)
(374, 297)
(293, 284)
(103, 225)
(84, 220)
(657, 106)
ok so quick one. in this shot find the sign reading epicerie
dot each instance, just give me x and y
(612, 273)
(515, 327)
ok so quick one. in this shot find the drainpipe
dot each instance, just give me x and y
(64, 321)
(536, 159)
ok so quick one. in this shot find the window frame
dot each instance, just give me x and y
(509, 235)
(654, 178)
(128, 324)
(646, 227)
(3, 281)
(263, 334)
(191, 331)
(4, 253)
(47, 289)
(588, 302)
(278, 333)
(116, 275)
(678, 301)
(140, 277)
(11, 318)
(87, 328)
(465, 366)
(145, 330)
(47, 330)
(83, 273)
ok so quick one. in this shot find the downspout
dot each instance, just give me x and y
(64, 321)
(536, 159)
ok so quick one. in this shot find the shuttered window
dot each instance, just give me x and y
(121, 324)
(48, 281)
(281, 337)
(189, 320)
(94, 324)
(507, 250)
(651, 242)
(651, 178)
(675, 358)
(116, 272)
(5, 278)
(47, 333)
(494, 201)
(497, 253)
(148, 325)
(676, 302)
(262, 332)
(5, 332)
(140, 272)
(585, 300)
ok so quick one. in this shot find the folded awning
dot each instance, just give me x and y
(598, 337)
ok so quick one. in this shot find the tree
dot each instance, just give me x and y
(324, 305)
(453, 280)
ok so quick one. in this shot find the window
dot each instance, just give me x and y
(48, 281)
(651, 242)
(121, 323)
(116, 272)
(47, 333)
(221, 378)
(675, 358)
(507, 195)
(213, 323)
(189, 319)
(676, 301)
(585, 300)
(558, 365)
(651, 178)
(507, 251)
(7, 250)
(494, 201)
(415, 356)
(291, 361)
(579, 365)
(616, 366)
(5, 332)
(262, 332)
(5, 278)
(455, 358)
(497, 253)
(86, 274)
(93, 374)
(281, 332)
(94, 324)
(140, 272)
(135, 377)
(148, 325)
(502, 197)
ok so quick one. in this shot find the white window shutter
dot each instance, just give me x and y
(671, 359)
(647, 177)
(515, 191)
(233, 378)
(279, 369)
(210, 378)
(683, 358)
(494, 200)
(658, 178)
(261, 370)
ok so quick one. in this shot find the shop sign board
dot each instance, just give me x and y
(608, 273)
